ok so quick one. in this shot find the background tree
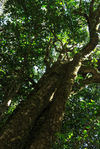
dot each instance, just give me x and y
(45, 57)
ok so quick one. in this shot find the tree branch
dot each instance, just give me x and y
(89, 47)
(94, 78)
(47, 58)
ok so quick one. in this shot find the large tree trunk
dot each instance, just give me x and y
(35, 122)
(50, 121)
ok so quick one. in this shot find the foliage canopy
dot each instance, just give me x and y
(34, 35)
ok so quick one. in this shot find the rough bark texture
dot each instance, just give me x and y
(17, 130)
(35, 122)
(44, 107)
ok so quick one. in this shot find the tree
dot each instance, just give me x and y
(48, 39)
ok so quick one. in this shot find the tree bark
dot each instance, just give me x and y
(37, 119)
(51, 124)
(22, 121)
(53, 115)
(46, 103)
